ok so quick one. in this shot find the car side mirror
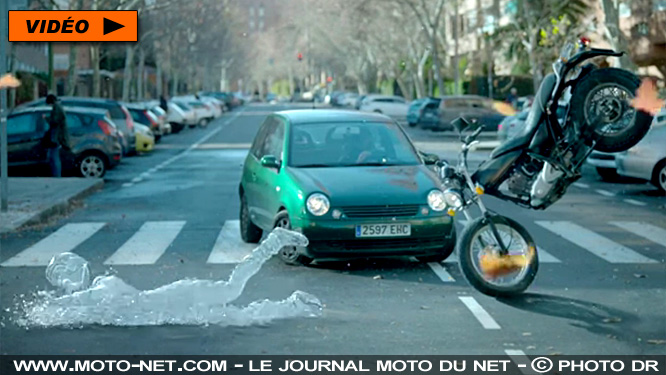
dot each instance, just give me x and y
(270, 161)
(429, 159)
(460, 124)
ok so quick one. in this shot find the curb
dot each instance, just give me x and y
(60, 207)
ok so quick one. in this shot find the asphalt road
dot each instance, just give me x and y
(601, 287)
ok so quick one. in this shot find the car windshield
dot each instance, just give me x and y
(350, 144)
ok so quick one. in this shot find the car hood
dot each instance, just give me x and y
(365, 186)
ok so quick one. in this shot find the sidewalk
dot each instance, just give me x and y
(33, 200)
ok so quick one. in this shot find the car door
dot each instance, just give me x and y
(251, 168)
(267, 178)
(24, 139)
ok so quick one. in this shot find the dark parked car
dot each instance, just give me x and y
(141, 114)
(420, 111)
(476, 109)
(352, 182)
(119, 115)
(94, 140)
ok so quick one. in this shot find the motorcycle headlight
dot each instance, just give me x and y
(436, 200)
(318, 204)
(453, 198)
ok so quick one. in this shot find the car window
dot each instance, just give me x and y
(73, 121)
(257, 145)
(274, 140)
(21, 124)
(349, 144)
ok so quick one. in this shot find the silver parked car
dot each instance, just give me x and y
(647, 160)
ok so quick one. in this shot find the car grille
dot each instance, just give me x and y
(383, 244)
(380, 211)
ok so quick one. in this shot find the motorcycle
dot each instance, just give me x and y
(535, 168)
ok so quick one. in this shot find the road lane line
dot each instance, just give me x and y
(605, 193)
(635, 202)
(63, 240)
(645, 230)
(597, 244)
(521, 360)
(581, 185)
(229, 248)
(148, 244)
(479, 313)
(441, 272)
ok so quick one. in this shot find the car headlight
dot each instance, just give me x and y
(318, 204)
(436, 200)
(453, 198)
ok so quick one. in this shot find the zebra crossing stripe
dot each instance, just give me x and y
(148, 244)
(229, 248)
(441, 272)
(598, 245)
(63, 240)
(645, 230)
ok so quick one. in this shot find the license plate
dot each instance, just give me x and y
(383, 230)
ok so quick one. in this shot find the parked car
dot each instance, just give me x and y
(416, 114)
(476, 109)
(225, 98)
(142, 115)
(392, 106)
(165, 127)
(181, 115)
(204, 114)
(359, 101)
(604, 163)
(511, 125)
(348, 99)
(94, 140)
(145, 140)
(647, 160)
(352, 182)
(214, 104)
(119, 115)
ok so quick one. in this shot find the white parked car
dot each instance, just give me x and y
(216, 105)
(393, 106)
(204, 114)
(180, 115)
(647, 160)
(348, 100)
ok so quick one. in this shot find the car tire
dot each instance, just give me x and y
(203, 122)
(92, 164)
(377, 111)
(608, 174)
(250, 233)
(290, 255)
(412, 124)
(659, 176)
(444, 253)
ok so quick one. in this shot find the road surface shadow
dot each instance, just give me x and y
(595, 318)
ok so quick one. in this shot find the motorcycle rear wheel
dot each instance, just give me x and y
(515, 237)
(608, 92)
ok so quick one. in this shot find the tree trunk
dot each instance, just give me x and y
(96, 79)
(456, 41)
(72, 75)
(403, 87)
(174, 84)
(421, 75)
(141, 81)
(159, 91)
(615, 35)
(435, 64)
(534, 62)
(127, 73)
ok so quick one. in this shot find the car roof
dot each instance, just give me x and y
(72, 109)
(476, 97)
(380, 96)
(311, 116)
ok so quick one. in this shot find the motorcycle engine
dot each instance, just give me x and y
(520, 182)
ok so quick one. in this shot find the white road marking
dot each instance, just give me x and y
(128, 184)
(229, 248)
(479, 313)
(63, 240)
(441, 272)
(635, 202)
(605, 193)
(521, 360)
(598, 245)
(581, 185)
(148, 244)
(645, 230)
(137, 179)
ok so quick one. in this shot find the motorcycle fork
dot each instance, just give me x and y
(488, 219)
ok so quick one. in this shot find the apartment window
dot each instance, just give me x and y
(659, 5)
(251, 11)
(471, 19)
(261, 11)
(252, 25)
(261, 25)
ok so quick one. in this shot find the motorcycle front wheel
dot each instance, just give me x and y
(607, 93)
(477, 239)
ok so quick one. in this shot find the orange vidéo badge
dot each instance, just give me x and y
(73, 26)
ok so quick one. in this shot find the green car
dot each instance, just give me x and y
(351, 182)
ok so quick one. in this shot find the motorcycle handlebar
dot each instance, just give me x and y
(470, 138)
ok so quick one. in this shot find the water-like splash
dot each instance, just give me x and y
(111, 301)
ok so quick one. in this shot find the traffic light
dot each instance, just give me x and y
(300, 56)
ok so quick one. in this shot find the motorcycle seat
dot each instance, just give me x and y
(534, 119)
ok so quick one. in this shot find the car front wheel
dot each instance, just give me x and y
(250, 233)
(660, 176)
(289, 254)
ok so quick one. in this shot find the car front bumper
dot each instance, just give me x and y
(336, 239)
(635, 166)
